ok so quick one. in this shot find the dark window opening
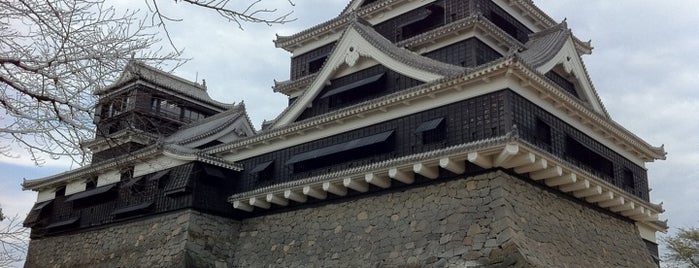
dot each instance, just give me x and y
(126, 174)
(91, 184)
(343, 152)
(653, 250)
(367, 2)
(356, 91)
(61, 191)
(503, 24)
(564, 83)
(315, 63)
(263, 171)
(432, 131)
(581, 155)
(431, 18)
(467, 53)
(115, 127)
(136, 185)
(628, 181)
(543, 133)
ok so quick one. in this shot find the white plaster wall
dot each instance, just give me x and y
(46, 195)
(75, 187)
(110, 177)
(155, 165)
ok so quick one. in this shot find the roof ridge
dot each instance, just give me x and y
(170, 75)
(388, 47)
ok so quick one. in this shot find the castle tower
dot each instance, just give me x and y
(418, 133)
(144, 104)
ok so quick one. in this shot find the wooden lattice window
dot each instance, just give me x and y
(582, 155)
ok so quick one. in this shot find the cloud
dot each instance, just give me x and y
(646, 69)
(645, 66)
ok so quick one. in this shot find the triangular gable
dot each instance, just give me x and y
(530, 15)
(360, 43)
(224, 127)
(554, 49)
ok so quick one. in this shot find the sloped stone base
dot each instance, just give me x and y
(491, 220)
(180, 239)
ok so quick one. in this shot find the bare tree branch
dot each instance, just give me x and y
(53, 55)
(683, 248)
(13, 240)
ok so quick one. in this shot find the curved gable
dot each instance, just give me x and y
(554, 50)
(361, 45)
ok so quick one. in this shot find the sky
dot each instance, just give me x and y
(645, 67)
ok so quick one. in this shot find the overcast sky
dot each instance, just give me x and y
(645, 66)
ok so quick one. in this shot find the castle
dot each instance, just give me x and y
(431, 133)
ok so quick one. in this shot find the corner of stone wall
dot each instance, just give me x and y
(210, 241)
(549, 230)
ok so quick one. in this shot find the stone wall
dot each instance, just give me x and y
(491, 220)
(179, 239)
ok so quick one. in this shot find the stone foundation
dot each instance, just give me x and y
(491, 220)
(180, 239)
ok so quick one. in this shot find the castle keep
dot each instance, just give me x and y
(428, 133)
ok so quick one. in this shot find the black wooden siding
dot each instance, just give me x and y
(206, 188)
(470, 120)
(395, 30)
(468, 53)
(502, 19)
(195, 188)
(392, 82)
(525, 114)
(300, 64)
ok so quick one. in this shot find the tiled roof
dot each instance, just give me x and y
(527, 6)
(404, 55)
(289, 86)
(544, 45)
(471, 146)
(130, 159)
(384, 45)
(206, 127)
(508, 62)
(138, 70)
(476, 21)
(337, 22)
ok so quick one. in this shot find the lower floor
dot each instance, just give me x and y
(489, 220)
